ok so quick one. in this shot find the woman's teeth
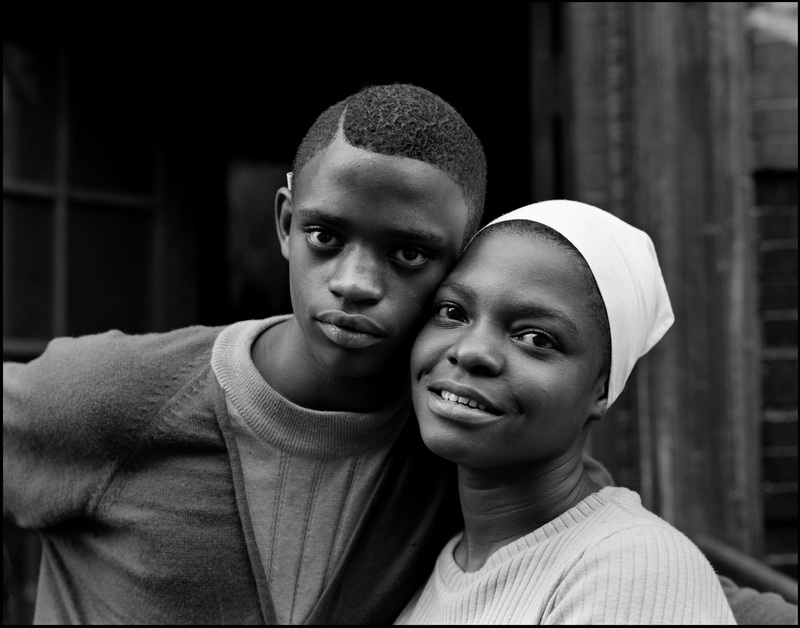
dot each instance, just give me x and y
(462, 400)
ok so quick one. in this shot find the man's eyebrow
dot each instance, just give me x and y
(403, 234)
(518, 307)
(420, 236)
(321, 216)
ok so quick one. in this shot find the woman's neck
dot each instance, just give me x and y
(501, 507)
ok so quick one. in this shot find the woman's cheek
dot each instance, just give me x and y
(430, 344)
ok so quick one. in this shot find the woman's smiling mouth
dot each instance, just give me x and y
(454, 391)
(460, 403)
(445, 394)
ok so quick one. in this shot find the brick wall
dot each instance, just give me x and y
(773, 79)
(776, 205)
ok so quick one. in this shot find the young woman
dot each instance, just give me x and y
(532, 338)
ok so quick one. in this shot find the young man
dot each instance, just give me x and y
(269, 471)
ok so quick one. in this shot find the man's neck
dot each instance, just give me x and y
(302, 381)
(500, 508)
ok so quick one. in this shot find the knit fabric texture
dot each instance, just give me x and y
(307, 474)
(607, 560)
(119, 450)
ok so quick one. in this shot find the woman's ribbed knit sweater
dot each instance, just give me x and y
(607, 560)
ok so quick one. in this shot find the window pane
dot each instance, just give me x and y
(112, 122)
(27, 269)
(109, 270)
(29, 114)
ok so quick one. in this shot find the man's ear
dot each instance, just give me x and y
(599, 405)
(283, 218)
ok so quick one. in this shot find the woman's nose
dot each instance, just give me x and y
(478, 352)
(357, 277)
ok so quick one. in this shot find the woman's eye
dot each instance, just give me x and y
(450, 312)
(409, 256)
(321, 238)
(538, 339)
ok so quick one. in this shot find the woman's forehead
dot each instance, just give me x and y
(518, 250)
(507, 261)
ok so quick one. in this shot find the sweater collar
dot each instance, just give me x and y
(292, 428)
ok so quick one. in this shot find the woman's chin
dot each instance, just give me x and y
(445, 444)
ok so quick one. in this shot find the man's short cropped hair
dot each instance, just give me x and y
(407, 121)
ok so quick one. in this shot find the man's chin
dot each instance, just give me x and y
(361, 364)
(350, 364)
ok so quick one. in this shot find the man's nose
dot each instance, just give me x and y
(357, 276)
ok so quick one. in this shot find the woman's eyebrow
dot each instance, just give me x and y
(468, 294)
(518, 307)
(543, 311)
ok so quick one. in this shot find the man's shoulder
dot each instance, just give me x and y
(113, 352)
(149, 347)
(751, 607)
(105, 378)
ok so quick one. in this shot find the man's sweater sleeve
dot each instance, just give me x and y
(754, 608)
(72, 416)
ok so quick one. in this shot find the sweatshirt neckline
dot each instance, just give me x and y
(290, 427)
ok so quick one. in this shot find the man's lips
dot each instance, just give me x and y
(352, 322)
(350, 331)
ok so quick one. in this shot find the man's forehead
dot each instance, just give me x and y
(360, 168)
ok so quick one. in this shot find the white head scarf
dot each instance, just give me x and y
(624, 264)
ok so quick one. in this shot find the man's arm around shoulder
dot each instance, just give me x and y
(72, 415)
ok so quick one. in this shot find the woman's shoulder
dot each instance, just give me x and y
(627, 541)
(631, 558)
(624, 506)
(618, 532)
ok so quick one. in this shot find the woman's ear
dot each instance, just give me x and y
(283, 218)
(599, 405)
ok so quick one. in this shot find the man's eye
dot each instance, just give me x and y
(450, 312)
(321, 238)
(409, 256)
(538, 339)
